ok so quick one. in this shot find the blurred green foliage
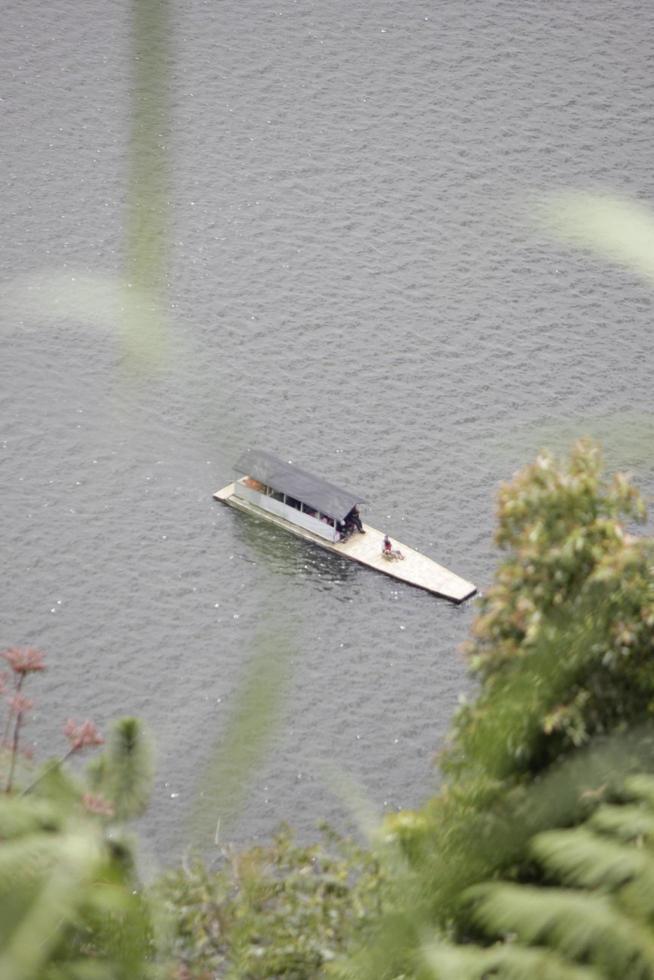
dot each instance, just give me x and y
(563, 641)
(70, 903)
(147, 231)
(592, 918)
(256, 711)
(618, 229)
(562, 650)
(284, 910)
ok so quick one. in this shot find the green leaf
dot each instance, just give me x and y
(587, 860)
(617, 229)
(641, 787)
(67, 866)
(588, 928)
(20, 816)
(626, 822)
(507, 961)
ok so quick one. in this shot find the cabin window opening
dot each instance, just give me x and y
(310, 511)
(292, 502)
(276, 495)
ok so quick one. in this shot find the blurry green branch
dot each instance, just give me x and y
(255, 713)
(618, 229)
(148, 186)
(133, 303)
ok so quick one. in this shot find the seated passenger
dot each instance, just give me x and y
(388, 551)
(354, 519)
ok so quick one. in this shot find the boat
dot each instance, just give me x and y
(327, 515)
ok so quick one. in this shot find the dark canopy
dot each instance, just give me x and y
(289, 479)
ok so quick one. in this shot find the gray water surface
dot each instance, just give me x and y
(356, 283)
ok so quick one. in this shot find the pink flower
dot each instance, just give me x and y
(19, 703)
(82, 736)
(97, 804)
(24, 660)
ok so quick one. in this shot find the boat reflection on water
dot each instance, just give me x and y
(274, 549)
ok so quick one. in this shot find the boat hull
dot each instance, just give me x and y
(416, 569)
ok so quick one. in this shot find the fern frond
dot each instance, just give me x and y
(641, 787)
(587, 860)
(628, 822)
(479, 835)
(589, 928)
(506, 961)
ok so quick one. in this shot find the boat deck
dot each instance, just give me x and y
(416, 569)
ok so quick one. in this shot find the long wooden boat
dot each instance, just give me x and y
(319, 511)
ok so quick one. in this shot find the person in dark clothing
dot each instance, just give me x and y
(354, 518)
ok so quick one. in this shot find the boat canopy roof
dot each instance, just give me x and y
(287, 478)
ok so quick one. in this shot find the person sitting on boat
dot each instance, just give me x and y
(354, 519)
(388, 551)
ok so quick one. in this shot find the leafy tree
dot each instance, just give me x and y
(563, 642)
(562, 650)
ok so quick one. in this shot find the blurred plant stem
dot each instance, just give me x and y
(255, 714)
(615, 228)
(147, 232)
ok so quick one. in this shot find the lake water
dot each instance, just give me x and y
(357, 283)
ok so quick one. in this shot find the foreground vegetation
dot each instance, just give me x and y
(536, 858)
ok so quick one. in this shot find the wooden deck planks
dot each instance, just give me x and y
(416, 569)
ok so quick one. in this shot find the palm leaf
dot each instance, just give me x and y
(626, 822)
(477, 834)
(507, 961)
(589, 928)
(586, 860)
(641, 787)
